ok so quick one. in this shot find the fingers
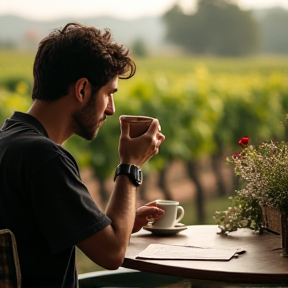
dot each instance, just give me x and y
(160, 138)
(139, 150)
(150, 212)
(154, 127)
(146, 215)
(152, 203)
(154, 215)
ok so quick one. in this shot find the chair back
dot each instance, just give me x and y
(10, 273)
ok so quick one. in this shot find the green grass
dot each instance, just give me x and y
(240, 65)
(16, 64)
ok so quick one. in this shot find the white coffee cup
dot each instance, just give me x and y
(173, 214)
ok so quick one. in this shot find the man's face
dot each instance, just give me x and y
(87, 121)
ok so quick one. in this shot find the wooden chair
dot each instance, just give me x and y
(10, 273)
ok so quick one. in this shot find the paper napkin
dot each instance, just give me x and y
(176, 252)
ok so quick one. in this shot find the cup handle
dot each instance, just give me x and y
(180, 213)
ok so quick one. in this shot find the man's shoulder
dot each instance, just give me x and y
(25, 136)
(26, 141)
(21, 141)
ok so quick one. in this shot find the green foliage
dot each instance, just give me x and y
(203, 105)
(14, 100)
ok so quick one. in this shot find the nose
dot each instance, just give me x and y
(110, 109)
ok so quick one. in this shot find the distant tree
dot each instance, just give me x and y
(218, 27)
(7, 44)
(139, 48)
(274, 32)
(178, 25)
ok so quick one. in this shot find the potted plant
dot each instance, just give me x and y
(262, 201)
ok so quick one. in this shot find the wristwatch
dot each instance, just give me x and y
(133, 172)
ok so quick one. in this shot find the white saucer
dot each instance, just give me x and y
(165, 231)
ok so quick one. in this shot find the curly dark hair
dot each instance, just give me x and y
(74, 52)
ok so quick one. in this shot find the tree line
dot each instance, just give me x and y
(220, 27)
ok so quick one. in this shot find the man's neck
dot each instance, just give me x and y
(55, 117)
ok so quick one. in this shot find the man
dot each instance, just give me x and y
(42, 198)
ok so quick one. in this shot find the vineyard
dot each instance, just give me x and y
(204, 105)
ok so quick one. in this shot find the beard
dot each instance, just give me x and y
(84, 122)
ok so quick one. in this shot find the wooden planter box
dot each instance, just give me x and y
(276, 221)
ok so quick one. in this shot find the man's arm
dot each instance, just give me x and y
(107, 248)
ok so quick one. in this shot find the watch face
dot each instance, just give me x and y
(139, 178)
(133, 172)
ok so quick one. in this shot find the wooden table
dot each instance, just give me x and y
(262, 262)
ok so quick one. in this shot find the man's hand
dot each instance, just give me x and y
(148, 212)
(138, 150)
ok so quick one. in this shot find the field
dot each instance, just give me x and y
(19, 64)
(199, 100)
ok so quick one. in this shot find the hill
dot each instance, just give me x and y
(20, 31)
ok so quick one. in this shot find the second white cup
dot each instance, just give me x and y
(173, 214)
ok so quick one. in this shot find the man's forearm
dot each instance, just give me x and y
(121, 208)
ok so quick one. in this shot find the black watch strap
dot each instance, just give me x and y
(133, 172)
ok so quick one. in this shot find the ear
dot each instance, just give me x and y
(81, 89)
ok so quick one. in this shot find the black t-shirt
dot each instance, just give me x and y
(44, 202)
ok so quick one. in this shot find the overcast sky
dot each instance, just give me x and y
(128, 9)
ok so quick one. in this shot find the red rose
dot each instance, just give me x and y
(244, 141)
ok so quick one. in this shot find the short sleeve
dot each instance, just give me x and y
(62, 205)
